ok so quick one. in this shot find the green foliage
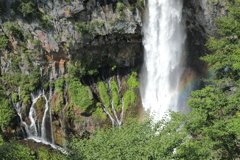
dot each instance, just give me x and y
(59, 88)
(37, 43)
(26, 8)
(103, 92)
(12, 29)
(210, 123)
(16, 61)
(6, 110)
(141, 2)
(14, 151)
(131, 8)
(59, 85)
(115, 95)
(146, 140)
(213, 121)
(45, 154)
(14, 97)
(44, 21)
(75, 72)
(3, 42)
(98, 113)
(132, 82)
(80, 95)
(120, 7)
(26, 83)
(130, 96)
(226, 59)
(129, 99)
(29, 10)
(85, 27)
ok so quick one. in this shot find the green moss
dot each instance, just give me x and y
(80, 95)
(40, 105)
(103, 92)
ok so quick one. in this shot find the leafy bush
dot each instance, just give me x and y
(3, 42)
(27, 8)
(14, 151)
(85, 27)
(6, 109)
(120, 7)
(146, 140)
(59, 85)
(26, 82)
(12, 29)
(44, 22)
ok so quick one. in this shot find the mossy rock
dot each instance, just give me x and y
(40, 106)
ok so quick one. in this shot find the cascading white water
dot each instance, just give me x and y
(164, 39)
(33, 116)
(32, 130)
(43, 128)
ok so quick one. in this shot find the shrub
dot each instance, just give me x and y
(80, 95)
(12, 29)
(27, 8)
(120, 7)
(3, 42)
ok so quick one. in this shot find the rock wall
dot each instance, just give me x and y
(101, 38)
(200, 16)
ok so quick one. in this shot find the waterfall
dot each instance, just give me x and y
(33, 130)
(164, 39)
(43, 129)
(33, 115)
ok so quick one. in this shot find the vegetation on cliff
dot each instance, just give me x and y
(210, 131)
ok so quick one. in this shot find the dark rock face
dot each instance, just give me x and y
(200, 16)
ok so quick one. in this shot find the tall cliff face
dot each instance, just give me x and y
(88, 50)
(63, 30)
(200, 16)
(71, 49)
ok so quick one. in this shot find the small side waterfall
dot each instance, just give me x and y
(35, 131)
(164, 41)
